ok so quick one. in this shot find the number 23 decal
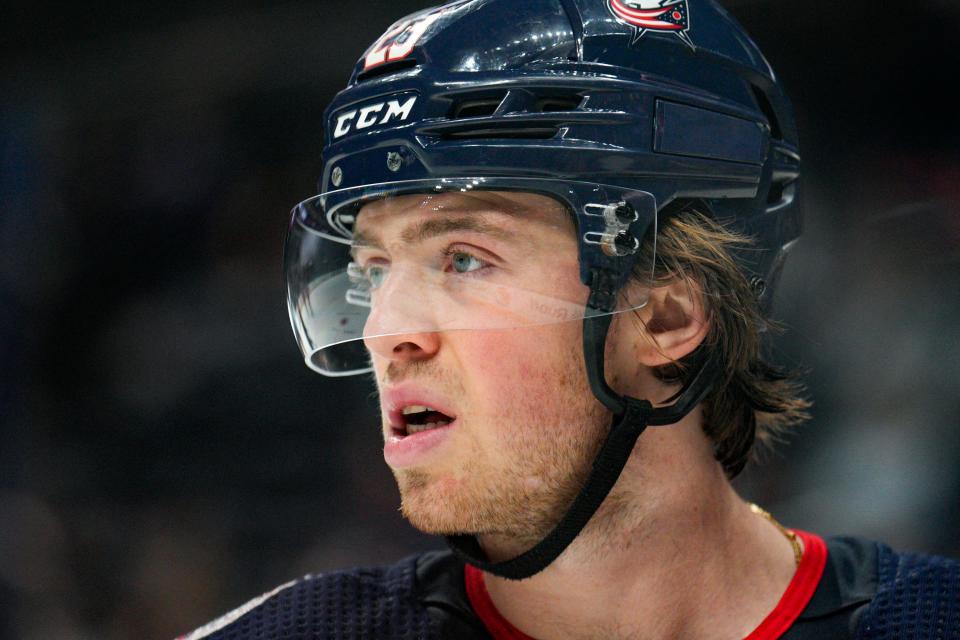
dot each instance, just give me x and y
(399, 40)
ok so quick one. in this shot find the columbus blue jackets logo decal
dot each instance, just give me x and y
(664, 16)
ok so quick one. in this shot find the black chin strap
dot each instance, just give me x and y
(606, 469)
(631, 418)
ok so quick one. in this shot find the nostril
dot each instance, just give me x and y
(406, 346)
(409, 346)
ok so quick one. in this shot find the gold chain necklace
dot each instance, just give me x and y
(790, 535)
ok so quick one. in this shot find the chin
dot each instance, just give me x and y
(434, 524)
(438, 506)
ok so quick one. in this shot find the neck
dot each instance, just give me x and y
(672, 552)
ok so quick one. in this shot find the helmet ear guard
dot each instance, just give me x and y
(663, 109)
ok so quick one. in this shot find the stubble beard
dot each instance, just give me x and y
(517, 494)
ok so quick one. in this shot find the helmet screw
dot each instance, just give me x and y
(759, 285)
(336, 176)
(394, 161)
(625, 244)
(626, 214)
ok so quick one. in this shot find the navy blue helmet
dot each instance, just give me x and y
(670, 97)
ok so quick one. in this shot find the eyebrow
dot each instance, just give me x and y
(432, 228)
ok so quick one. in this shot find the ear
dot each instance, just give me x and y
(676, 323)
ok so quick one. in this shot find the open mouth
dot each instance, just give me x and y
(418, 418)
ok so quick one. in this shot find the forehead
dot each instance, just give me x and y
(528, 214)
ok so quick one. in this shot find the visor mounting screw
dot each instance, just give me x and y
(336, 176)
(625, 244)
(626, 214)
(759, 285)
(394, 161)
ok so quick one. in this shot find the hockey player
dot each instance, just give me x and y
(551, 230)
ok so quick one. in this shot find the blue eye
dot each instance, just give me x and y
(464, 262)
(376, 274)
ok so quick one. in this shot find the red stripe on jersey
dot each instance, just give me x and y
(799, 591)
(498, 626)
(791, 605)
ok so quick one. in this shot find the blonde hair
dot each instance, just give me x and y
(754, 403)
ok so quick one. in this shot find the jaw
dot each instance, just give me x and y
(434, 501)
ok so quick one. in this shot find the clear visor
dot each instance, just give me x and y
(454, 254)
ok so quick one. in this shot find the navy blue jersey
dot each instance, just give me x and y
(866, 592)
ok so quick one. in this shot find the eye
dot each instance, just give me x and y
(463, 262)
(369, 276)
(375, 273)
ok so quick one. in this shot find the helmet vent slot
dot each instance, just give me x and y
(559, 103)
(780, 195)
(764, 103)
(476, 108)
(387, 68)
(514, 101)
(528, 132)
(519, 112)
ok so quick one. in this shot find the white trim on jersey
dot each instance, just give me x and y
(234, 615)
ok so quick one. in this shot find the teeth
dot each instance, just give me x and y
(417, 428)
(415, 408)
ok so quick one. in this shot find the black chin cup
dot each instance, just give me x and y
(631, 418)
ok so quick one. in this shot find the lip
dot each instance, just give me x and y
(400, 396)
(415, 450)
(401, 450)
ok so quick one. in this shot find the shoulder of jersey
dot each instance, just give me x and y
(918, 596)
(376, 602)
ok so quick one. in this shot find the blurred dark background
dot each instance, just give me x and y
(164, 453)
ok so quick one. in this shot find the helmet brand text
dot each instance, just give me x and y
(378, 113)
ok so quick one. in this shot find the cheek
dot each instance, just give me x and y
(525, 363)
(528, 381)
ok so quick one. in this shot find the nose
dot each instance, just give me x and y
(405, 347)
(400, 327)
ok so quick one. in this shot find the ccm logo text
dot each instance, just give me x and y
(378, 113)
